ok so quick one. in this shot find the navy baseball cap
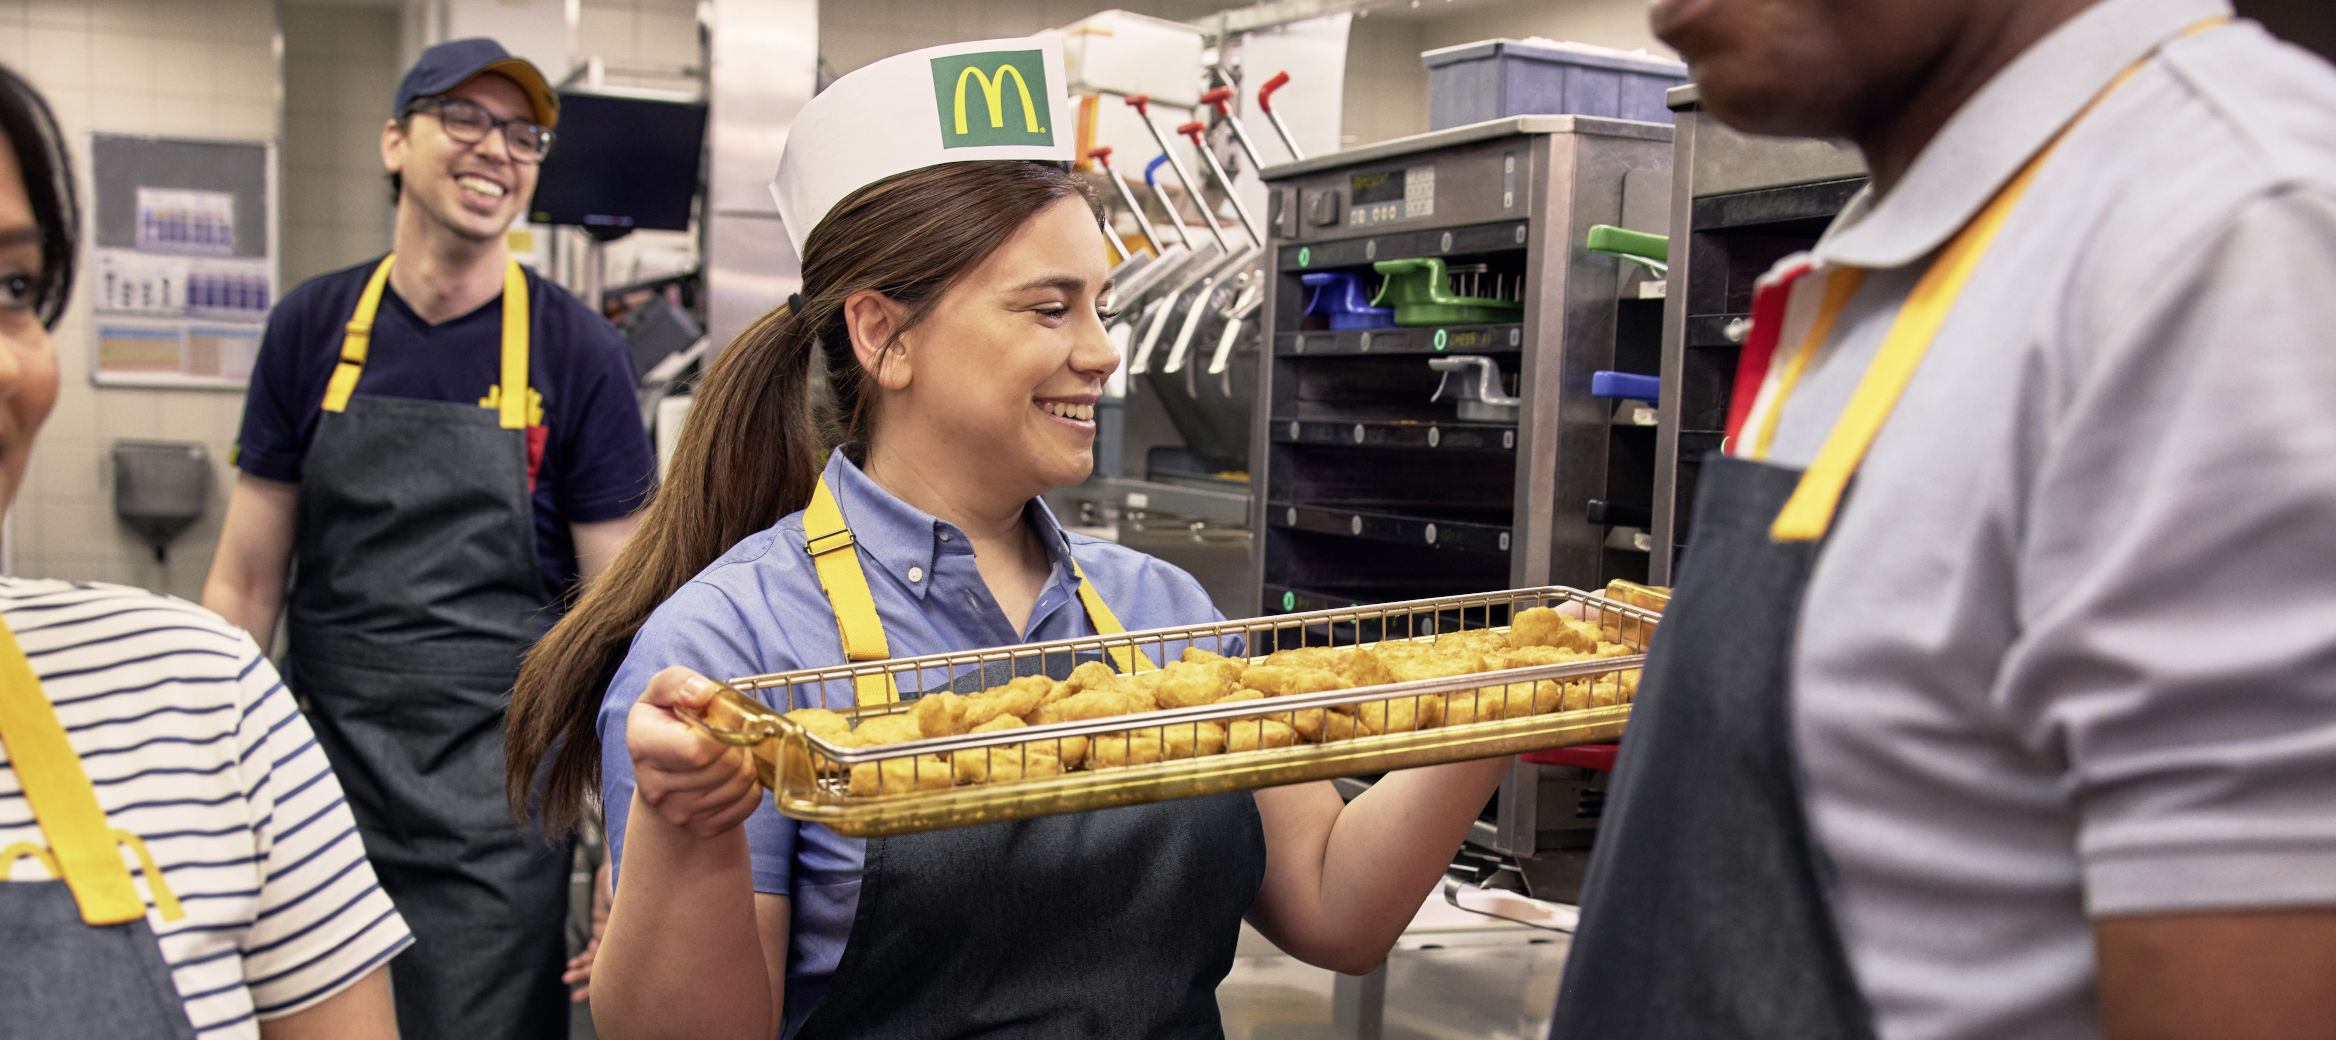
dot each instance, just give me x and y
(451, 64)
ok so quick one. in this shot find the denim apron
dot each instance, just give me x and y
(1114, 923)
(416, 593)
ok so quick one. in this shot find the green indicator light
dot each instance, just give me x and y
(1305, 256)
(1290, 599)
(1439, 339)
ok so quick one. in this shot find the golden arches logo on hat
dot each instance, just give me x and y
(967, 87)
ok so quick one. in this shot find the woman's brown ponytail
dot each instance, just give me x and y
(755, 438)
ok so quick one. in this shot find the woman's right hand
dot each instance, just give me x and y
(687, 777)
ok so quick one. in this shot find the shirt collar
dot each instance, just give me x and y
(907, 542)
(2008, 121)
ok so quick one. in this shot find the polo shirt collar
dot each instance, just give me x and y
(2007, 122)
(907, 542)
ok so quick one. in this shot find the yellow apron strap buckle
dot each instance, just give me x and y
(356, 338)
(826, 542)
(846, 585)
(81, 845)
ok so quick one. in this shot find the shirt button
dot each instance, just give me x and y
(916, 574)
(944, 536)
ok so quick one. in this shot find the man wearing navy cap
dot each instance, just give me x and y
(440, 447)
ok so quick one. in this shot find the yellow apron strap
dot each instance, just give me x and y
(83, 850)
(1128, 658)
(1809, 512)
(1840, 285)
(355, 338)
(829, 541)
(511, 394)
(511, 408)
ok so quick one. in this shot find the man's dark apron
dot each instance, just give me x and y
(1107, 924)
(77, 959)
(416, 592)
(1708, 910)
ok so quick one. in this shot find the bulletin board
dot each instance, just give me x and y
(184, 267)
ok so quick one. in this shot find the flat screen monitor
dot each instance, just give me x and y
(621, 163)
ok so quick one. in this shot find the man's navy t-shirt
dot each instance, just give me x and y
(597, 462)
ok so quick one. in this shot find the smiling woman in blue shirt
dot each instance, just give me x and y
(957, 310)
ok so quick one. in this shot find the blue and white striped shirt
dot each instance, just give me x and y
(194, 745)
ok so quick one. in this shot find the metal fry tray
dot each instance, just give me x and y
(984, 777)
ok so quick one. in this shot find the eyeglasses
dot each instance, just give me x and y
(468, 121)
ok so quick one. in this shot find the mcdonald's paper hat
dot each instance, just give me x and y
(990, 99)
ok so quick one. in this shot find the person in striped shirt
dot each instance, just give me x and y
(255, 886)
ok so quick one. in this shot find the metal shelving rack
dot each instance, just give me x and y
(1370, 492)
(1738, 204)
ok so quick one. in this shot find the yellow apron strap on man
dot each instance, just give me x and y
(1809, 512)
(355, 338)
(1128, 658)
(512, 396)
(829, 541)
(83, 850)
(1840, 285)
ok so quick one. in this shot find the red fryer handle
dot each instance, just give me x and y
(1142, 103)
(1221, 99)
(1192, 130)
(1265, 93)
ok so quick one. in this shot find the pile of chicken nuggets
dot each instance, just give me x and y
(1536, 636)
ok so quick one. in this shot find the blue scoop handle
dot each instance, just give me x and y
(1151, 172)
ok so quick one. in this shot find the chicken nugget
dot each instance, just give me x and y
(1629, 682)
(888, 729)
(1542, 626)
(1015, 699)
(1196, 655)
(1317, 725)
(1253, 734)
(1402, 714)
(1321, 657)
(1493, 703)
(1156, 744)
(1242, 694)
(1284, 680)
(1183, 685)
(897, 775)
(827, 725)
(1539, 654)
(939, 714)
(1028, 761)
(1098, 703)
(1361, 666)
(1613, 650)
(1482, 641)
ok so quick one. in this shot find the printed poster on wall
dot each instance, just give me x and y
(185, 270)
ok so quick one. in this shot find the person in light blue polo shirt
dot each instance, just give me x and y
(2029, 733)
(954, 291)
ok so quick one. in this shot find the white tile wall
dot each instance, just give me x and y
(202, 68)
(341, 67)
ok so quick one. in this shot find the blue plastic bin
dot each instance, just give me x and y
(1496, 79)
